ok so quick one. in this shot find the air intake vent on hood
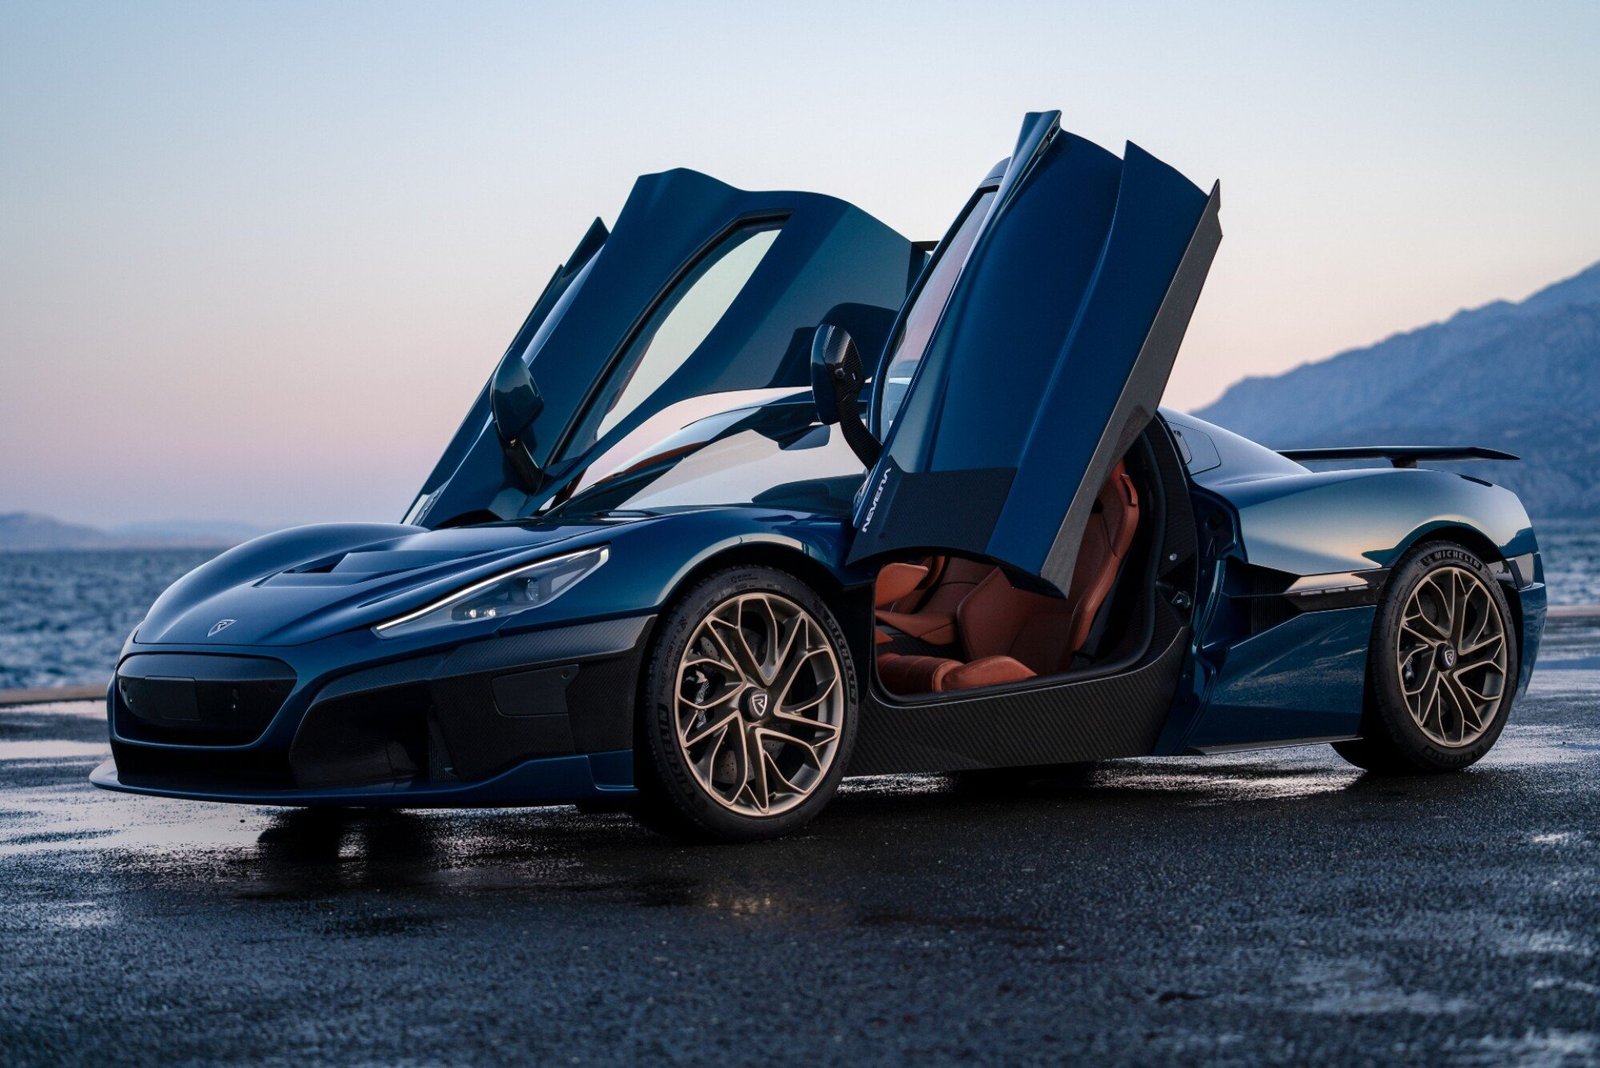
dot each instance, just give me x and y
(317, 567)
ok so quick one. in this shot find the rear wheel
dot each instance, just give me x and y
(1442, 668)
(748, 714)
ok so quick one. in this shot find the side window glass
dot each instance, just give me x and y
(925, 310)
(684, 320)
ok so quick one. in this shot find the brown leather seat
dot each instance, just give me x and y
(928, 612)
(1006, 634)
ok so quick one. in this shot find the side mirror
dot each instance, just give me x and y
(836, 384)
(822, 377)
(515, 403)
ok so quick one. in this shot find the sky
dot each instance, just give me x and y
(257, 259)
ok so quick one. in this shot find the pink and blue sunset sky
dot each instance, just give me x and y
(255, 260)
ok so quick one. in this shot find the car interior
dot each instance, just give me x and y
(947, 623)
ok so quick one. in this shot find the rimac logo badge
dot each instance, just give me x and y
(758, 703)
(219, 626)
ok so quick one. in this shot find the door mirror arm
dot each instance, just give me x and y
(836, 384)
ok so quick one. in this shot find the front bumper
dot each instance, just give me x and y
(538, 717)
(1532, 606)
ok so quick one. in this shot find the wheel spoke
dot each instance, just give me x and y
(1464, 705)
(798, 635)
(1430, 704)
(741, 751)
(776, 645)
(1458, 678)
(760, 793)
(692, 738)
(790, 710)
(711, 661)
(774, 772)
(1474, 617)
(785, 727)
(1427, 628)
(730, 639)
(734, 690)
(792, 671)
(1486, 650)
(1417, 611)
(1449, 702)
(1458, 606)
(808, 752)
(1429, 638)
(706, 766)
(1429, 671)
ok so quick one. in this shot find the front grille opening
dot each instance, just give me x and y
(375, 737)
(199, 769)
(171, 699)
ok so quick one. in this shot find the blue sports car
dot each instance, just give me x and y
(763, 494)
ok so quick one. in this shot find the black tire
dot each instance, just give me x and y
(1393, 741)
(672, 797)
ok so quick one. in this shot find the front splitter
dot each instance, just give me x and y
(542, 781)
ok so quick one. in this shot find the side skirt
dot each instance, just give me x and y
(1288, 743)
(1090, 719)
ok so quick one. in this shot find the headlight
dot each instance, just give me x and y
(504, 595)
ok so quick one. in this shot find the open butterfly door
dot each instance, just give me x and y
(1047, 357)
(700, 296)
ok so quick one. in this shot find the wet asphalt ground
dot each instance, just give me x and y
(1260, 907)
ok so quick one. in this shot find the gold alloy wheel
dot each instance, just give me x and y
(760, 704)
(1451, 652)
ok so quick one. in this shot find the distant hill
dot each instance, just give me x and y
(31, 531)
(27, 530)
(1522, 377)
(193, 532)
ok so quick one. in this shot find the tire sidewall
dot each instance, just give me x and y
(664, 777)
(1388, 716)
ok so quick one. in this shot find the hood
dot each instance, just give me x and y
(699, 289)
(303, 584)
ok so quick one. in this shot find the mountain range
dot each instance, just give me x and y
(1522, 377)
(31, 531)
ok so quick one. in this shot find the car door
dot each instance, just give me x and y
(1033, 353)
(699, 290)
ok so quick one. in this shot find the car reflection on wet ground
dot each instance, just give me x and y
(1262, 906)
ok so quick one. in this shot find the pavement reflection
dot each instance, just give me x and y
(1277, 903)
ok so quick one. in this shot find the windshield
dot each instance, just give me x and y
(923, 315)
(773, 456)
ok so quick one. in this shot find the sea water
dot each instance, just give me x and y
(64, 615)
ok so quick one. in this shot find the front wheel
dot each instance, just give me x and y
(1442, 668)
(748, 710)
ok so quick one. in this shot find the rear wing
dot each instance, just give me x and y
(1398, 455)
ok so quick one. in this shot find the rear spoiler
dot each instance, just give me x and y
(1398, 455)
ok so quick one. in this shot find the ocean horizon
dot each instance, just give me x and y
(64, 613)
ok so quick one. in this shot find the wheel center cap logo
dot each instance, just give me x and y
(1448, 656)
(219, 626)
(758, 703)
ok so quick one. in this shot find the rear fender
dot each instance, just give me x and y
(1269, 672)
(1319, 523)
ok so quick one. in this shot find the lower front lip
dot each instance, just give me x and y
(541, 781)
